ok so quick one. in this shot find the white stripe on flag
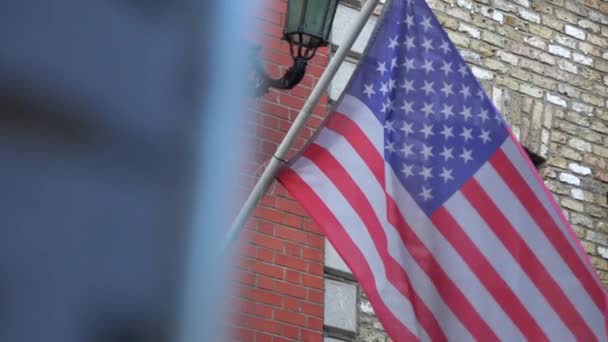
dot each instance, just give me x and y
(452, 263)
(348, 157)
(521, 221)
(365, 119)
(350, 220)
(503, 262)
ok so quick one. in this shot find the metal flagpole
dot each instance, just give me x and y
(270, 173)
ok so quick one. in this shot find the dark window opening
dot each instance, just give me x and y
(537, 160)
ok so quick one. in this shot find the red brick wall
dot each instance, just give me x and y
(280, 270)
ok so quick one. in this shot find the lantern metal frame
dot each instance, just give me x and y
(302, 49)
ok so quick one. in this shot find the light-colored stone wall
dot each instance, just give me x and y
(545, 65)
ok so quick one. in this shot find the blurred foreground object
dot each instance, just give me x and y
(108, 110)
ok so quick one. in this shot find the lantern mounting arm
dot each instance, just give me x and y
(291, 78)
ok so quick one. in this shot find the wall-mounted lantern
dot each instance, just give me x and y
(307, 27)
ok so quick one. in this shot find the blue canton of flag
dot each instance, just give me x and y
(439, 125)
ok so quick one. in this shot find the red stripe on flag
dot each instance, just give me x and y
(360, 203)
(450, 293)
(492, 281)
(528, 261)
(343, 125)
(537, 211)
(347, 249)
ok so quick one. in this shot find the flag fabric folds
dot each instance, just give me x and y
(417, 181)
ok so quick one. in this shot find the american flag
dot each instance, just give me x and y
(417, 181)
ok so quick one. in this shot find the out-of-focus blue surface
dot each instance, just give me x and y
(118, 146)
(223, 149)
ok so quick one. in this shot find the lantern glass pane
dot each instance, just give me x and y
(333, 6)
(295, 12)
(314, 23)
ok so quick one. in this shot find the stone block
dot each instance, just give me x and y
(603, 252)
(556, 100)
(595, 162)
(505, 5)
(495, 65)
(569, 178)
(340, 309)
(592, 99)
(600, 151)
(591, 49)
(575, 32)
(589, 25)
(541, 31)
(582, 59)
(493, 38)
(482, 74)
(557, 187)
(471, 57)
(531, 90)
(544, 136)
(569, 128)
(572, 204)
(469, 30)
(580, 169)
(602, 42)
(492, 13)
(561, 138)
(567, 66)
(559, 50)
(597, 237)
(515, 22)
(568, 90)
(581, 195)
(578, 119)
(601, 66)
(589, 75)
(483, 48)
(468, 4)
(529, 16)
(542, 7)
(459, 39)
(589, 247)
(552, 22)
(536, 42)
(577, 8)
(582, 108)
(577, 218)
(597, 212)
(566, 41)
(447, 22)
(571, 154)
(580, 145)
(599, 126)
(331, 339)
(508, 82)
(564, 15)
(509, 58)
(599, 17)
(333, 259)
